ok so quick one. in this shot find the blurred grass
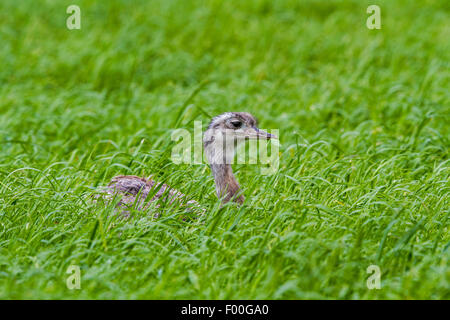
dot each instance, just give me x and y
(363, 118)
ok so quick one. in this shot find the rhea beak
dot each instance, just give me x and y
(255, 133)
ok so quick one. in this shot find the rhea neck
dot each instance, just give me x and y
(220, 155)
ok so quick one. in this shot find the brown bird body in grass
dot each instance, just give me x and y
(220, 140)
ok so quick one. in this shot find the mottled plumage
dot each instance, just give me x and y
(133, 192)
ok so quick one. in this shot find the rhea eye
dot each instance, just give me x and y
(236, 124)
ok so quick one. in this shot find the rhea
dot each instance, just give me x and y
(220, 141)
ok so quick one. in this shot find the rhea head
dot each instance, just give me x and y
(223, 135)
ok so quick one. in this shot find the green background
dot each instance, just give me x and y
(364, 165)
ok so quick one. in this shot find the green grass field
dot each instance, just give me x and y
(364, 168)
